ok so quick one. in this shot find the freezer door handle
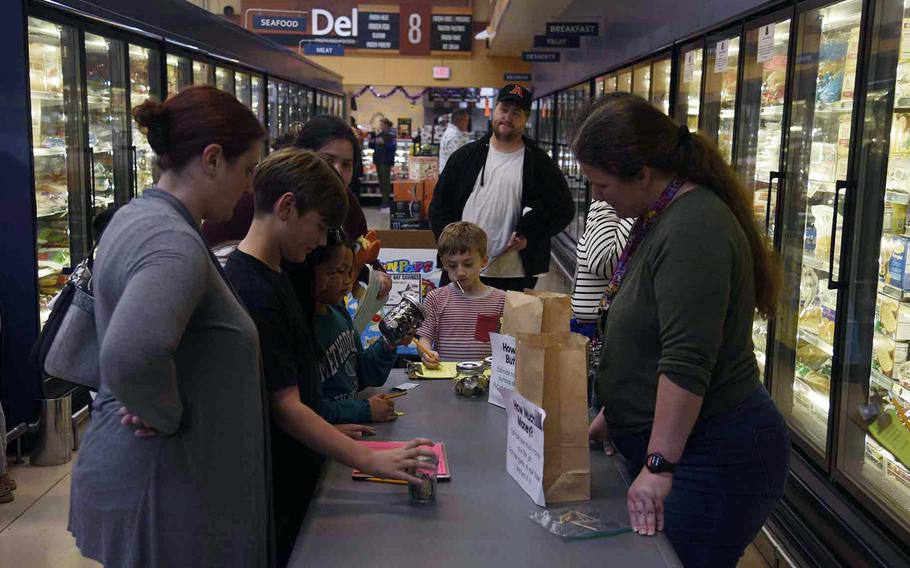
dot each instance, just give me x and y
(135, 171)
(771, 177)
(834, 284)
(91, 168)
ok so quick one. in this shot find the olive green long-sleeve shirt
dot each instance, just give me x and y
(684, 309)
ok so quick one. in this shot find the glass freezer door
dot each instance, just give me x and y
(871, 453)
(256, 98)
(203, 74)
(282, 108)
(759, 159)
(611, 84)
(144, 84)
(660, 84)
(688, 90)
(641, 80)
(58, 155)
(625, 80)
(242, 88)
(224, 79)
(720, 93)
(108, 123)
(815, 187)
(179, 74)
(274, 109)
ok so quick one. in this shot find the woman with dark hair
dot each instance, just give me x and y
(677, 377)
(185, 484)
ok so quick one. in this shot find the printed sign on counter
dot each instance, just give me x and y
(721, 56)
(502, 372)
(766, 43)
(524, 448)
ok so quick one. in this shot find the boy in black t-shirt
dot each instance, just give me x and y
(296, 197)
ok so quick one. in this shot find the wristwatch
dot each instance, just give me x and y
(656, 463)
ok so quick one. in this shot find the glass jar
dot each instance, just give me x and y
(425, 491)
(471, 382)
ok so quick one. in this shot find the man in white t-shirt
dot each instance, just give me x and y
(454, 137)
(510, 187)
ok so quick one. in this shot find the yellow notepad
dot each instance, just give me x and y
(446, 370)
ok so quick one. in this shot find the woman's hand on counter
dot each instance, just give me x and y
(645, 501)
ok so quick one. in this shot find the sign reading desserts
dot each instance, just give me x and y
(409, 27)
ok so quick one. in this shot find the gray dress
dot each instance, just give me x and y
(179, 350)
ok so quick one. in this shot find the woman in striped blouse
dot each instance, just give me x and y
(596, 256)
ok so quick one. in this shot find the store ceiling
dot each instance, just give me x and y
(520, 20)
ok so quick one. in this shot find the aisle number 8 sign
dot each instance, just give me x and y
(414, 37)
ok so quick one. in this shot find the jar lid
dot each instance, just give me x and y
(469, 367)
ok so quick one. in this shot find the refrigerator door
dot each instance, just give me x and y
(598, 86)
(145, 83)
(625, 80)
(641, 80)
(294, 104)
(873, 456)
(256, 95)
(274, 109)
(179, 73)
(688, 89)
(660, 84)
(719, 110)
(59, 155)
(283, 111)
(224, 79)
(243, 89)
(108, 122)
(611, 84)
(760, 136)
(203, 74)
(545, 128)
(812, 216)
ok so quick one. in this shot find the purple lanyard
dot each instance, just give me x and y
(639, 230)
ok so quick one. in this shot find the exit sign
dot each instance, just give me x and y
(442, 72)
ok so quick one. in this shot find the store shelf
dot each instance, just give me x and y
(815, 340)
(47, 96)
(37, 152)
(820, 265)
(891, 385)
(893, 292)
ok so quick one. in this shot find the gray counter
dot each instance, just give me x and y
(480, 517)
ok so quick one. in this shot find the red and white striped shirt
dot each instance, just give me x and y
(459, 325)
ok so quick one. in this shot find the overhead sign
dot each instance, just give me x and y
(325, 49)
(567, 42)
(266, 22)
(414, 35)
(540, 56)
(452, 32)
(513, 77)
(378, 30)
(454, 95)
(557, 29)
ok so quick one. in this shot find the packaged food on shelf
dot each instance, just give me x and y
(886, 310)
(884, 258)
(850, 64)
(822, 161)
(828, 316)
(883, 354)
(824, 217)
(899, 171)
(898, 268)
(830, 81)
(843, 146)
(810, 317)
(811, 356)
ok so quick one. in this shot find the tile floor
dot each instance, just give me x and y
(33, 527)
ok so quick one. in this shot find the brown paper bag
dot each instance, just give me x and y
(551, 372)
(536, 312)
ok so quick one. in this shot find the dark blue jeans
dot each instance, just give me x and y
(732, 472)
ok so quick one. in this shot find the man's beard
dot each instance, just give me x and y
(511, 137)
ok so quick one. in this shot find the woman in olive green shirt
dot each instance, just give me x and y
(678, 378)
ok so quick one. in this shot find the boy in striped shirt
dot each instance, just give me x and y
(461, 315)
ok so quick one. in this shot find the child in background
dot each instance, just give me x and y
(461, 315)
(345, 367)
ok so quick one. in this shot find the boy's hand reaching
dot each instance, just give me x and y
(355, 431)
(393, 464)
(381, 409)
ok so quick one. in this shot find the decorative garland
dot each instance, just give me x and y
(410, 97)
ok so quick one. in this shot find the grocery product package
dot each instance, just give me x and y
(551, 372)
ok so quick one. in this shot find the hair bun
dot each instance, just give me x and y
(154, 118)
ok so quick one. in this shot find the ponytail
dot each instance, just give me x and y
(622, 134)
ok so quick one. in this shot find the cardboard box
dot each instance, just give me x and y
(407, 190)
